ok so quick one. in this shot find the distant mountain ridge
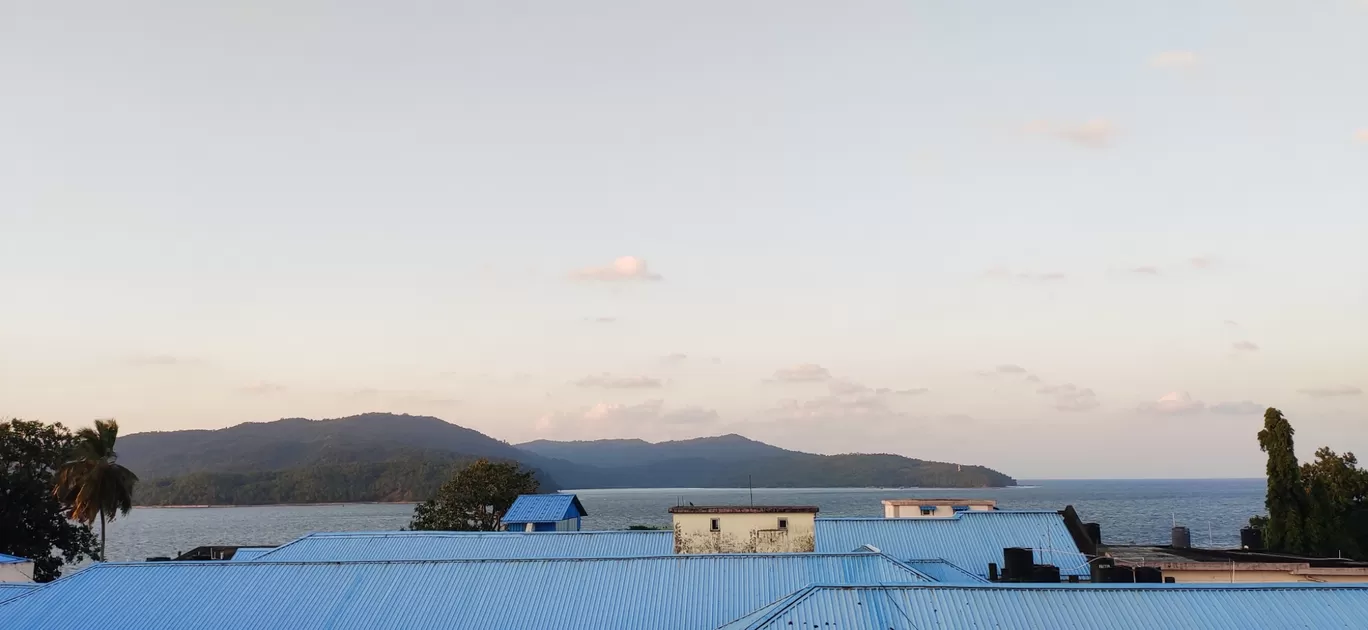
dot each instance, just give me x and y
(394, 457)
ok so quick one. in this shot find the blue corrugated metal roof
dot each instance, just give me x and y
(11, 590)
(662, 593)
(543, 508)
(944, 572)
(8, 559)
(969, 540)
(351, 546)
(1037, 607)
(244, 554)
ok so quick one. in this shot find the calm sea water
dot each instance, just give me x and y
(1138, 511)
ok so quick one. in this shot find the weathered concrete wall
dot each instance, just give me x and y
(743, 533)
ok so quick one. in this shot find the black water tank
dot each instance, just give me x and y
(1181, 537)
(1117, 575)
(1094, 532)
(1149, 575)
(1017, 563)
(1097, 566)
(1251, 539)
(1045, 574)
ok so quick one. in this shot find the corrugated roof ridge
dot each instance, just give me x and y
(699, 557)
(1064, 586)
(955, 517)
(396, 534)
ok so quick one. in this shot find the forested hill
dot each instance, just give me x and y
(389, 457)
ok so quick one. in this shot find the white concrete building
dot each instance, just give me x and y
(15, 569)
(925, 508)
(743, 528)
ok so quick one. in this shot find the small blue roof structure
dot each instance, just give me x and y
(8, 559)
(968, 540)
(544, 508)
(11, 590)
(944, 572)
(355, 546)
(664, 593)
(1074, 606)
(244, 554)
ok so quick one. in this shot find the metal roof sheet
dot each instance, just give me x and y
(244, 554)
(8, 559)
(685, 592)
(944, 572)
(11, 590)
(1081, 607)
(969, 540)
(352, 546)
(543, 508)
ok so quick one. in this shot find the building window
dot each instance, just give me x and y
(928, 511)
(715, 525)
(783, 523)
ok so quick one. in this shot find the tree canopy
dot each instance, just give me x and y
(33, 522)
(475, 499)
(1319, 508)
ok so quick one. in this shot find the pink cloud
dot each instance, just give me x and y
(624, 269)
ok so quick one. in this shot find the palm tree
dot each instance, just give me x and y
(92, 483)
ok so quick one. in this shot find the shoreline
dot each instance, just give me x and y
(246, 505)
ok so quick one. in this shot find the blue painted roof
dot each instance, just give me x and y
(662, 593)
(244, 554)
(543, 508)
(351, 546)
(11, 590)
(944, 572)
(969, 540)
(1082, 607)
(8, 559)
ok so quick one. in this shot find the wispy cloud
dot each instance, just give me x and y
(1230, 323)
(608, 381)
(421, 397)
(1152, 271)
(613, 420)
(1330, 392)
(624, 269)
(263, 389)
(1070, 397)
(1237, 408)
(1010, 369)
(915, 391)
(1097, 133)
(1361, 135)
(1174, 60)
(675, 358)
(1201, 262)
(803, 373)
(601, 320)
(1245, 346)
(163, 360)
(1002, 273)
(1173, 403)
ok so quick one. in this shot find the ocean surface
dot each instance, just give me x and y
(1130, 511)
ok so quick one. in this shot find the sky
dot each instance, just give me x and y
(1088, 240)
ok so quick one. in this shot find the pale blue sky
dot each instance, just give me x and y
(213, 213)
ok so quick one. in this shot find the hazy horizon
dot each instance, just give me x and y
(1057, 240)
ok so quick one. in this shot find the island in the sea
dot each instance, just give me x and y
(393, 457)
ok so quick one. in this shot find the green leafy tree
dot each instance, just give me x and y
(92, 482)
(1337, 493)
(33, 522)
(475, 499)
(1286, 499)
